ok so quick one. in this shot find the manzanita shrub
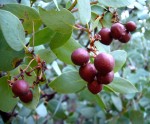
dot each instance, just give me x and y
(74, 61)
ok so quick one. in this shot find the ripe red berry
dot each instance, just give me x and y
(126, 37)
(105, 79)
(104, 63)
(94, 87)
(117, 30)
(80, 56)
(105, 36)
(27, 97)
(88, 72)
(20, 87)
(130, 26)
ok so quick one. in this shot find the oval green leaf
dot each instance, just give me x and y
(69, 82)
(8, 102)
(116, 3)
(10, 58)
(42, 37)
(47, 55)
(84, 9)
(123, 86)
(26, 14)
(87, 95)
(59, 40)
(59, 21)
(12, 31)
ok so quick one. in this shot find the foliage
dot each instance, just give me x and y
(37, 39)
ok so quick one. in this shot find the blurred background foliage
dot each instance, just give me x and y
(81, 108)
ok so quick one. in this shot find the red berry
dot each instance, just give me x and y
(95, 87)
(105, 36)
(117, 30)
(27, 97)
(130, 26)
(104, 63)
(88, 72)
(20, 87)
(125, 38)
(105, 79)
(80, 56)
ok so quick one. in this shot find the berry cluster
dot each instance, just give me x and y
(97, 74)
(118, 31)
(21, 89)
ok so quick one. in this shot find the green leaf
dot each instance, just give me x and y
(107, 88)
(30, 79)
(12, 31)
(117, 102)
(97, 9)
(56, 4)
(123, 86)
(69, 82)
(7, 1)
(59, 39)
(136, 117)
(47, 55)
(8, 102)
(64, 52)
(120, 57)
(146, 34)
(87, 112)
(26, 14)
(59, 21)
(42, 37)
(101, 47)
(87, 95)
(10, 58)
(52, 105)
(116, 3)
(84, 9)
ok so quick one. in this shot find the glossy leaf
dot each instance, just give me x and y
(26, 14)
(8, 102)
(59, 21)
(84, 9)
(12, 31)
(123, 86)
(116, 3)
(120, 57)
(64, 52)
(69, 82)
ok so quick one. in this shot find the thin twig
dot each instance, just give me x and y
(73, 5)
(76, 9)
(33, 34)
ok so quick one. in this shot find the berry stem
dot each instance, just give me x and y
(23, 71)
